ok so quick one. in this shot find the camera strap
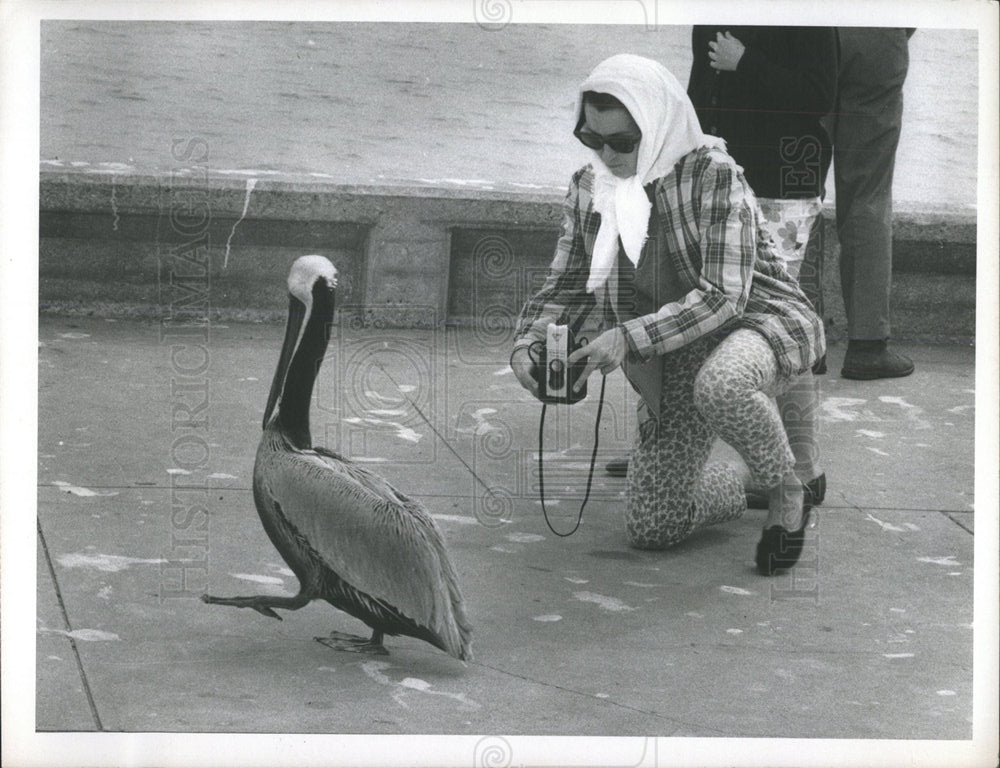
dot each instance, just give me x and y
(590, 474)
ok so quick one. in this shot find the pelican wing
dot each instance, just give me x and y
(380, 541)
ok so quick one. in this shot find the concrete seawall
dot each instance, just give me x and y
(183, 243)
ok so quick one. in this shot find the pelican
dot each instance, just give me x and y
(348, 536)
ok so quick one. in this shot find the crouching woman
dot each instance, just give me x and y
(661, 237)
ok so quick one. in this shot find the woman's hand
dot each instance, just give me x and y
(606, 352)
(521, 363)
(725, 53)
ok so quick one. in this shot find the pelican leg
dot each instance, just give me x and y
(340, 641)
(261, 603)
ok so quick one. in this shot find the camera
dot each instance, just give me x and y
(554, 375)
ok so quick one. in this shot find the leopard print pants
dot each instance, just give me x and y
(711, 388)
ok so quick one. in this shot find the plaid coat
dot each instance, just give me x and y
(724, 260)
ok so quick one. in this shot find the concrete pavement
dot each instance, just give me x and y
(146, 445)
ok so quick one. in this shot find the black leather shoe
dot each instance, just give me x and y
(815, 492)
(617, 467)
(866, 360)
(819, 367)
(779, 549)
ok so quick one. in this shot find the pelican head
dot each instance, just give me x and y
(311, 282)
(305, 272)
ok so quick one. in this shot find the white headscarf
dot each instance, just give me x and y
(670, 129)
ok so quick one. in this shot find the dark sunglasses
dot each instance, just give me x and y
(621, 144)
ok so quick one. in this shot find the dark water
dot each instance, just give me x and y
(390, 102)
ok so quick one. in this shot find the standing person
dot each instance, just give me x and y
(765, 90)
(661, 235)
(866, 127)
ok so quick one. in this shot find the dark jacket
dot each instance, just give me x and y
(769, 109)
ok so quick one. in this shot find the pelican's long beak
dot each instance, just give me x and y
(296, 317)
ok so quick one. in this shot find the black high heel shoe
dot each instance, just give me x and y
(778, 548)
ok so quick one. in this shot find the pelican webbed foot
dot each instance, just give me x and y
(341, 641)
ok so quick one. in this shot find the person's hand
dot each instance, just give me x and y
(606, 352)
(521, 363)
(725, 52)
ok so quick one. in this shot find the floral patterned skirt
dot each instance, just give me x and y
(789, 223)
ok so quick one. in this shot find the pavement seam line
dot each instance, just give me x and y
(829, 507)
(433, 429)
(950, 515)
(69, 628)
(93, 486)
(849, 505)
(650, 712)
